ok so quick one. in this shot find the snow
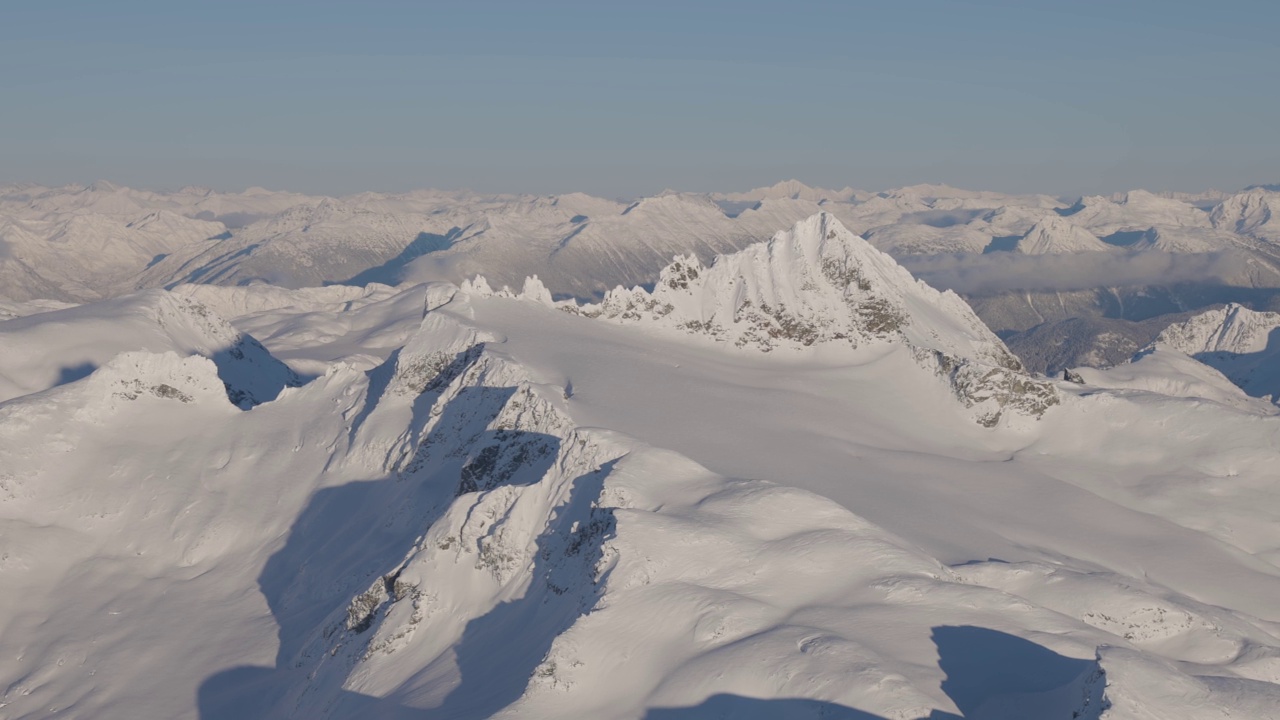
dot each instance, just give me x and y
(1251, 212)
(1162, 369)
(455, 501)
(83, 243)
(1235, 340)
(1053, 234)
(1134, 210)
(61, 346)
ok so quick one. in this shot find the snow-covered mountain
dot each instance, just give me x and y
(1242, 344)
(1052, 347)
(89, 256)
(819, 283)
(81, 243)
(463, 503)
(1053, 234)
(792, 190)
(1250, 213)
(1134, 210)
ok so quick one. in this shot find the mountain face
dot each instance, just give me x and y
(756, 490)
(1054, 234)
(1052, 347)
(1240, 343)
(1250, 213)
(817, 282)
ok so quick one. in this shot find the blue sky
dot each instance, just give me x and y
(622, 99)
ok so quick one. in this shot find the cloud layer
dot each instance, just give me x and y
(1005, 271)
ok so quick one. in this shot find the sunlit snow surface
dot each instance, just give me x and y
(464, 504)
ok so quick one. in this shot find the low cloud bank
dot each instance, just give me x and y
(1005, 271)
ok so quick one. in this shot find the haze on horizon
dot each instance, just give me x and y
(624, 100)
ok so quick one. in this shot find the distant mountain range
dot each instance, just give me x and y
(79, 243)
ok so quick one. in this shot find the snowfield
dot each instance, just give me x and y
(794, 482)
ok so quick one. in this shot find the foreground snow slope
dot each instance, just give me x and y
(483, 505)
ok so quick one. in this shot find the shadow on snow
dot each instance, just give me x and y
(348, 538)
(351, 537)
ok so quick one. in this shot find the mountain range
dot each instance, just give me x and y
(1171, 252)
(790, 480)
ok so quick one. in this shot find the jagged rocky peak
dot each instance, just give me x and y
(533, 289)
(814, 283)
(1055, 234)
(509, 486)
(820, 283)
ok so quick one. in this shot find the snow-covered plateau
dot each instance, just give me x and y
(787, 481)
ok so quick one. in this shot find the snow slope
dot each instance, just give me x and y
(482, 505)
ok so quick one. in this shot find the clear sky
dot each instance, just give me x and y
(626, 98)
